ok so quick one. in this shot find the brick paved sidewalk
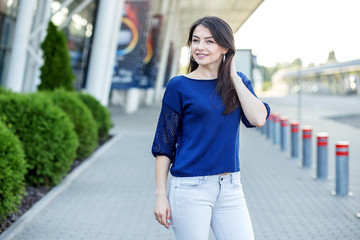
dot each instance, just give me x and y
(286, 202)
(111, 195)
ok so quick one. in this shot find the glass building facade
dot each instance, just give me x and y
(8, 13)
(78, 31)
(76, 20)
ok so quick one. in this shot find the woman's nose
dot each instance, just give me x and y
(201, 45)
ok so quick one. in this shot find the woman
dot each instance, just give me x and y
(198, 136)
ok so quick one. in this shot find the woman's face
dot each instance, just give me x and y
(204, 49)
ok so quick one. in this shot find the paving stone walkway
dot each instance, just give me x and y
(111, 195)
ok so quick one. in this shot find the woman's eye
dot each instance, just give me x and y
(195, 40)
(210, 41)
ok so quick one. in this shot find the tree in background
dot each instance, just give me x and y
(270, 71)
(331, 57)
(296, 63)
(56, 71)
(311, 65)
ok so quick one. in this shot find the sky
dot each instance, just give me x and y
(282, 30)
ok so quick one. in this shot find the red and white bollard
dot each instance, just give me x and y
(342, 168)
(276, 139)
(322, 156)
(294, 139)
(269, 127)
(284, 133)
(307, 148)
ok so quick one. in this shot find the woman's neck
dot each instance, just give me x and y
(204, 73)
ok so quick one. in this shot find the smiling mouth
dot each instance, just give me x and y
(201, 55)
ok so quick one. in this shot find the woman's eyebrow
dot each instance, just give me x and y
(205, 37)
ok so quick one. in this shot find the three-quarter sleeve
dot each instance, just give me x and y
(169, 124)
(247, 83)
(166, 133)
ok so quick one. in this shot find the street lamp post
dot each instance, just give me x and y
(300, 90)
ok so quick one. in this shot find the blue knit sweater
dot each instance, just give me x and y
(193, 132)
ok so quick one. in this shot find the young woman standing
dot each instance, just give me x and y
(198, 136)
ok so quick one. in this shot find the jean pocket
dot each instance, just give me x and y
(188, 184)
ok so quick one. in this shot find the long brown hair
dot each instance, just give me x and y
(223, 35)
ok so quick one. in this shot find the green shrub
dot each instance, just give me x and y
(266, 85)
(100, 113)
(56, 71)
(47, 135)
(12, 171)
(4, 91)
(80, 115)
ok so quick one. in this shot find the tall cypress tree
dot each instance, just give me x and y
(56, 71)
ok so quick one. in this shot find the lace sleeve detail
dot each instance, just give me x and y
(166, 133)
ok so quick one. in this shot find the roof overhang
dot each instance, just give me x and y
(234, 12)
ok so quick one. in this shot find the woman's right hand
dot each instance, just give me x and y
(162, 211)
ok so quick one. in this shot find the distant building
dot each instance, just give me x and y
(257, 75)
(246, 63)
(330, 78)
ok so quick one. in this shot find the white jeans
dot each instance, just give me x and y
(218, 201)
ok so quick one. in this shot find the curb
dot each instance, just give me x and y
(17, 226)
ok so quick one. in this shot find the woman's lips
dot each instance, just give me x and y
(201, 55)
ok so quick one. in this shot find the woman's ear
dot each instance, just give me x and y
(225, 50)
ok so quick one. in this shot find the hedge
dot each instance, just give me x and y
(80, 115)
(47, 135)
(12, 171)
(5, 91)
(100, 113)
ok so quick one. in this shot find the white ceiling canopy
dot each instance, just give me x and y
(234, 12)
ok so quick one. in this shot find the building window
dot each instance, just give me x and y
(8, 12)
(78, 33)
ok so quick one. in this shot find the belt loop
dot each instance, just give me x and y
(204, 179)
(231, 178)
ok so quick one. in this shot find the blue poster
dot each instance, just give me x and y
(151, 60)
(130, 52)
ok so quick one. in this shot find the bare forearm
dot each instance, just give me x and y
(254, 110)
(162, 206)
(162, 165)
